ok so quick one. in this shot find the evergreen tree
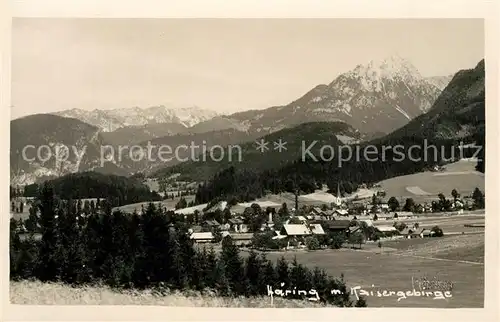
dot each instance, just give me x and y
(181, 204)
(14, 249)
(267, 275)
(320, 282)
(108, 252)
(252, 273)
(177, 269)
(47, 266)
(199, 263)
(478, 198)
(136, 245)
(282, 271)
(393, 204)
(222, 283)
(70, 246)
(91, 238)
(32, 221)
(155, 265)
(340, 299)
(233, 266)
(299, 277)
(409, 205)
(27, 259)
(210, 272)
(123, 259)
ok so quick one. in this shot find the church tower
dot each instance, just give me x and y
(338, 198)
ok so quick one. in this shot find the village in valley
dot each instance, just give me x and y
(314, 225)
(302, 222)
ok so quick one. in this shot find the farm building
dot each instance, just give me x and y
(337, 226)
(316, 211)
(209, 225)
(292, 230)
(294, 233)
(318, 214)
(384, 216)
(205, 237)
(316, 229)
(401, 214)
(387, 231)
(242, 238)
(237, 225)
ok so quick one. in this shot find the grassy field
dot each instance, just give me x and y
(168, 203)
(450, 224)
(38, 293)
(458, 259)
(460, 175)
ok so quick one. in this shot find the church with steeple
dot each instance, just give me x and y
(338, 198)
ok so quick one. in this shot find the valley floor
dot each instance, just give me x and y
(400, 264)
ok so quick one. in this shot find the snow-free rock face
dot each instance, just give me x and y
(378, 97)
(45, 145)
(111, 120)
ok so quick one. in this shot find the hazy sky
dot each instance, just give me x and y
(223, 65)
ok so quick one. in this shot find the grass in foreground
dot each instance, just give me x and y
(38, 293)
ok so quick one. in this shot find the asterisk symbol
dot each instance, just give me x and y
(280, 145)
(262, 145)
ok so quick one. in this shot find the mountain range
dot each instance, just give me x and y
(374, 100)
(111, 120)
(377, 97)
(457, 116)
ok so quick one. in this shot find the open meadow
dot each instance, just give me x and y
(425, 186)
(167, 203)
(456, 259)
